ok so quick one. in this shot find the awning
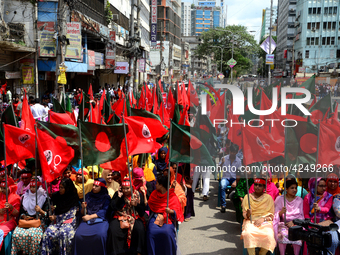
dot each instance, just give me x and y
(11, 46)
(72, 67)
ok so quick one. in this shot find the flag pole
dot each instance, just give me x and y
(48, 199)
(127, 153)
(81, 163)
(83, 105)
(114, 119)
(168, 185)
(316, 172)
(36, 168)
(248, 192)
(284, 177)
(3, 128)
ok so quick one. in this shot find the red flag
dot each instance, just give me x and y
(143, 133)
(313, 102)
(213, 90)
(148, 96)
(61, 118)
(20, 144)
(185, 99)
(54, 155)
(179, 96)
(329, 143)
(155, 101)
(217, 111)
(160, 85)
(3, 89)
(90, 92)
(101, 105)
(192, 95)
(334, 115)
(164, 115)
(184, 118)
(27, 119)
(235, 130)
(258, 145)
(133, 100)
(171, 104)
(142, 101)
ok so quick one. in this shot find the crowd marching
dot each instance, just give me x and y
(116, 173)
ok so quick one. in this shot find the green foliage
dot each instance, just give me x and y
(244, 47)
(108, 13)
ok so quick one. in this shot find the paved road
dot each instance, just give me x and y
(210, 232)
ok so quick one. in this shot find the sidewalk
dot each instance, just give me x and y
(210, 232)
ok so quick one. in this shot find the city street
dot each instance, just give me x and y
(210, 231)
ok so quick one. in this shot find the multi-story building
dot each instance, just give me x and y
(317, 36)
(204, 18)
(169, 32)
(266, 22)
(216, 3)
(285, 34)
(186, 19)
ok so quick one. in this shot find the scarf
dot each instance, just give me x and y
(157, 203)
(65, 202)
(333, 191)
(138, 175)
(96, 201)
(321, 199)
(28, 200)
(160, 163)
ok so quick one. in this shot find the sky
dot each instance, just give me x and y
(246, 12)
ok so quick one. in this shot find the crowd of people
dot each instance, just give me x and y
(115, 217)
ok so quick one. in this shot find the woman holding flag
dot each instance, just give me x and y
(257, 229)
(9, 211)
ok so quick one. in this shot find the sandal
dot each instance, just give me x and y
(187, 219)
(205, 198)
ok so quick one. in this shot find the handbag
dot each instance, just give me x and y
(123, 221)
(94, 221)
(34, 223)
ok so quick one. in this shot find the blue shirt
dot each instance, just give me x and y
(229, 170)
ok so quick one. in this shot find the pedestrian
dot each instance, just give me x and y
(229, 164)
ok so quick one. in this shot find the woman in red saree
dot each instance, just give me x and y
(161, 236)
(12, 207)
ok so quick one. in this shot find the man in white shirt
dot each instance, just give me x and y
(38, 110)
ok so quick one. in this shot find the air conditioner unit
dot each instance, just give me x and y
(292, 10)
(313, 67)
(115, 17)
(313, 29)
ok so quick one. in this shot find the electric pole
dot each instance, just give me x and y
(270, 37)
(35, 18)
(161, 50)
(61, 40)
(137, 47)
(132, 41)
(170, 58)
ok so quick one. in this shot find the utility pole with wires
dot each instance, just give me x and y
(61, 30)
(270, 37)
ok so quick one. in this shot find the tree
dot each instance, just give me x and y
(244, 46)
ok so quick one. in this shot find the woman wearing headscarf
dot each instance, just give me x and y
(177, 187)
(24, 184)
(293, 210)
(139, 183)
(112, 185)
(258, 232)
(91, 234)
(161, 236)
(149, 170)
(78, 183)
(126, 231)
(28, 240)
(270, 188)
(12, 207)
(160, 162)
(332, 183)
(58, 236)
(324, 201)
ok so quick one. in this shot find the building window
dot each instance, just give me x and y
(308, 41)
(310, 10)
(319, 10)
(323, 40)
(307, 54)
(335, 10)
(337, 53)
(328, 41)
(325, 12)
(329, 25)
(332, 40)
(309, 25)
(314, 10)
(330, 10)
(333, 25)
(325, 25)
(312, 41)
(317, 25)
(316, 40)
